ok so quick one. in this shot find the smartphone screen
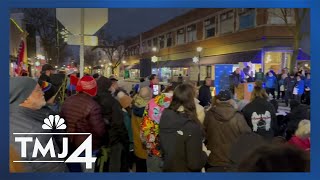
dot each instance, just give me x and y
(155, 90)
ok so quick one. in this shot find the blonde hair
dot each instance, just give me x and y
(304, 129)
(258, 91)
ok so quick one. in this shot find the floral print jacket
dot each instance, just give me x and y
(149, 133)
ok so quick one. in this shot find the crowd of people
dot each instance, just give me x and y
(284, 86)
(174, 130)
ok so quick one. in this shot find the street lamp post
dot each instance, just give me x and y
(199, 49)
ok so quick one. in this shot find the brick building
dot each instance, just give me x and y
(227, 36)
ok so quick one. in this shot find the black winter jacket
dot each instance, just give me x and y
(261, 117)
(181, 143)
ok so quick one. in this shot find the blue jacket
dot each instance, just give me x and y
(300, 86)
(307, 83)
(271, 82)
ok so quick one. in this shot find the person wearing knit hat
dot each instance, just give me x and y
(49, 91)
(83, 114)
(27, 115)
(88, 85)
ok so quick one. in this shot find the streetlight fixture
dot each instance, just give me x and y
(56, 67)
(110, 64)
(154, 49)
(123, 62)
(197, 60)
(102, 65)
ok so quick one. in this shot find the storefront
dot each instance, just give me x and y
(279, 58)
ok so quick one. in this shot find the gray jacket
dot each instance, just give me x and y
(24, 120)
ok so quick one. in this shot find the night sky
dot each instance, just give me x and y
(131, 22)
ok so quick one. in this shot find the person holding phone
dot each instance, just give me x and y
(154, 84)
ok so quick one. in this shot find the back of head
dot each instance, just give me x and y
(304, 129)
(276, 158)
(145, 93)
(275, 104)
(183, 96)
(258, 91)
(103, 84)
(88, 85)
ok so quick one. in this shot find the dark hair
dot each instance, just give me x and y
(275, 104)
(152, 76)
(207, 78)
(184, 96)
(142, 79)
(276, 158)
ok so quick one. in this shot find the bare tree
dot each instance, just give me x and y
(295, 29)
(115, 48)
(43, 20)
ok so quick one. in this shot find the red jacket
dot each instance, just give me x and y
(83, 115)
(300, 143)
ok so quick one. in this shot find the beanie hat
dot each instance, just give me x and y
(88, 85)
(145, 93)
(224, 95)
(20, 89)
(48, 89)
(125, 101)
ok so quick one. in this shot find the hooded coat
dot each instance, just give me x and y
(223, 124)
(181, 143)
(111, 113)
(139, 105)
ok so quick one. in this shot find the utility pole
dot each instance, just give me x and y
(82, 43)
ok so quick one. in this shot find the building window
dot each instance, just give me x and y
(155, 42)
(192, 33)
(162, 42)
(210, 27)
(144, 47)
(277, 16)
(149, 44)
(246, 18)
(180, 36)
(226, 22)
(169, 39)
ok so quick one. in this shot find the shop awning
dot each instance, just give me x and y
(303, 56)
(180, 63)
(233, 58)
(134, 66)
(160, 64)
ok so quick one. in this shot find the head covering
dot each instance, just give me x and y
(48, 89)
(113, 78)
(144, 96)
(96, 75)
(104, 84)
(47, 67)
(125, 101)
(20, 89)
(224, 95)
(87, 84)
